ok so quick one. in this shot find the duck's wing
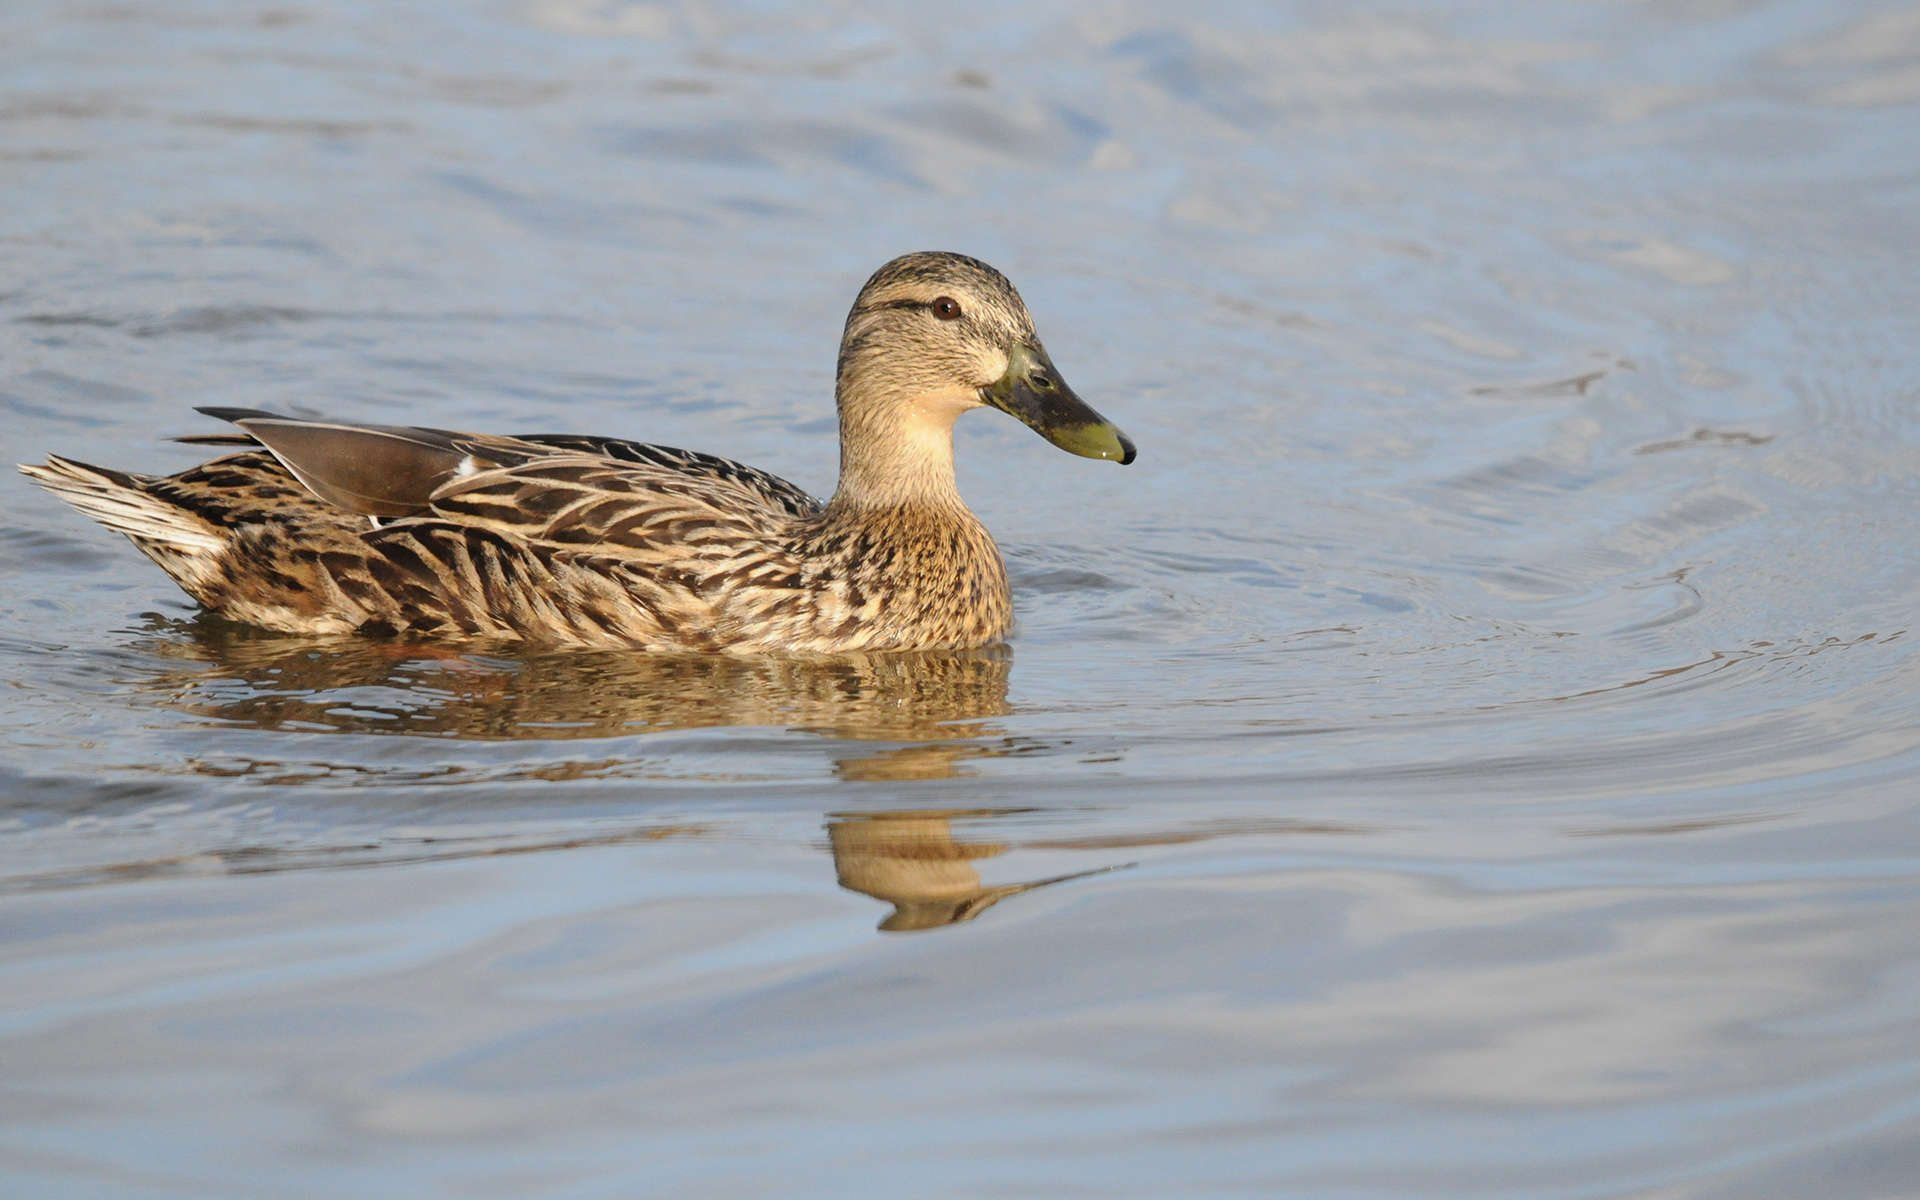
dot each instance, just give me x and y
(395, 470)
(770, 489)
(582, 501)
(569, 538)
(583, 549)
(372, 470)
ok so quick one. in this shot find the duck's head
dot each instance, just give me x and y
(934, 334)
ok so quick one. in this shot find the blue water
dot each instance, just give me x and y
(1472, 753)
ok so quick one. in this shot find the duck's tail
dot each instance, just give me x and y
(186, 545)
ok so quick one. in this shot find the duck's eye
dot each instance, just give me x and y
(946, 308)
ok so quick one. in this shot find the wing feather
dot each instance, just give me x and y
(593, 540)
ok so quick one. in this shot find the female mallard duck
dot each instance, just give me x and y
(325, 528)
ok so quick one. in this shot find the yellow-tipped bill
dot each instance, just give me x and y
(1033, 392)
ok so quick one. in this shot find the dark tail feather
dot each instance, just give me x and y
(217, 439)
(220, 413)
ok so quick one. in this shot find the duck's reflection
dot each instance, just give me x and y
(913, 861)
(249, 679)
(940, 704)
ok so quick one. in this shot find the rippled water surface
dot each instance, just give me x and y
(1473, 752)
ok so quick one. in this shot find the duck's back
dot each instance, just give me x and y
(761, 487)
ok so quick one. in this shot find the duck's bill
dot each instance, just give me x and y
(1033, 393)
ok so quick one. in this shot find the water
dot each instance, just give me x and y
(1471, 753)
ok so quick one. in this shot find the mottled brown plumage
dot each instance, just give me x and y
(321, 527)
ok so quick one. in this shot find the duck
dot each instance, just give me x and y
(328, 527)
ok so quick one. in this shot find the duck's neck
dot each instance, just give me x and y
(897, 452)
